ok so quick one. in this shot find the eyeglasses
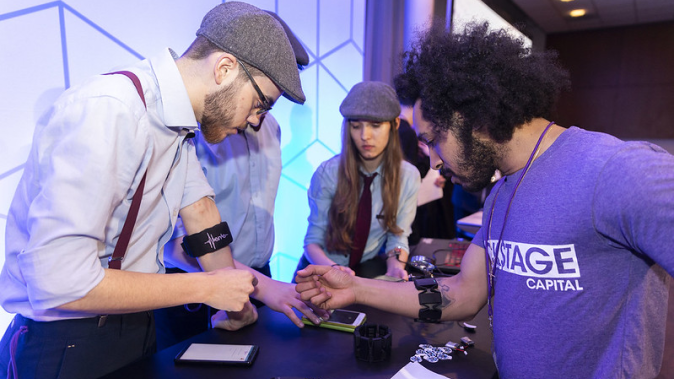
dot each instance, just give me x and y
(266, 107)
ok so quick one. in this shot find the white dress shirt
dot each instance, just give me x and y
(84, 167)
(244, 171)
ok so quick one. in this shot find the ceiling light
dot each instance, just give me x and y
(577, 13)
(566, 1)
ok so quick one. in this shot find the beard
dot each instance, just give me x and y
(218, 114)
(477, 165)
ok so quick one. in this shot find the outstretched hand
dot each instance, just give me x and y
(282, 298)
(326, 287)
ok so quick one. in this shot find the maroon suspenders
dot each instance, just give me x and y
(115, 261)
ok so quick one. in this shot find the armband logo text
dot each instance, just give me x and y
(212, 240)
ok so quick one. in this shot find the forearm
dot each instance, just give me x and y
(175, 256)
(316, 255)
(263, 281)
(217, 259)
(126, 292)
(403, 298)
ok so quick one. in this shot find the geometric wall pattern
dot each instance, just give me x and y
(48, 46)
(334, 38)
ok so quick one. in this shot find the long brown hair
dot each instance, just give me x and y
(344, 206)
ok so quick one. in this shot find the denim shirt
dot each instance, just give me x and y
(322, 190)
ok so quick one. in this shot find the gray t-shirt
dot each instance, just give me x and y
(580, 287)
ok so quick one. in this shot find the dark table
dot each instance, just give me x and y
(312, 352)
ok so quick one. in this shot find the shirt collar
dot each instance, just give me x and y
(378, 170)
(177, 108)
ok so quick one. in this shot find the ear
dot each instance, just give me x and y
(397, 122)
(224, 66)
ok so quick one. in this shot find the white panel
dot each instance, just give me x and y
(345, 64)
(317, 154)
(303, 166)
(91, 52)
(334, 24)
(358, 28)
(290, 220)
(11, 6)
(31, 77)
(283, 265)
(298, 126)
(268, 5)
(146, 26)
(331, 95)
(300, 15)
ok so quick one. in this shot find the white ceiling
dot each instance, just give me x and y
(552, 15)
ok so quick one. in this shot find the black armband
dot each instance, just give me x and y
(207, 241)
(429, 299)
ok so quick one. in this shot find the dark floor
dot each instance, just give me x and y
(667, 371)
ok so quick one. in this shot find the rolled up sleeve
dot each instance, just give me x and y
(320, 194)
(407, 207)
(77, 181)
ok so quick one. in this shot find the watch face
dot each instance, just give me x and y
(426, 282)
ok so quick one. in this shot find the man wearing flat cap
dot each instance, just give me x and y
(113, 165)
(244, 171)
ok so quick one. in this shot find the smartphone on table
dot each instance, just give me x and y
(226, 354)
(340, 319)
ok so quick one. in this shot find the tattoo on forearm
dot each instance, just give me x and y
(444, 290)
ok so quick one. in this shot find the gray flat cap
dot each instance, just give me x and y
(301, 55)
(256, 38)
(372, 101)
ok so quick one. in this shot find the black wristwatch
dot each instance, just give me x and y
(429, 299)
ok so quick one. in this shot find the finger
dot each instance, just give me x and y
(305, 286)
(308, 312)
(314, 270)
(288, 311)
(320, 299)
(321, 313)
(308, 294)
(301, 279)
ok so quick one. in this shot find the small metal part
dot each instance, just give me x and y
(467, 341)
(452, 345)
(422, 263)
(432, 359)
